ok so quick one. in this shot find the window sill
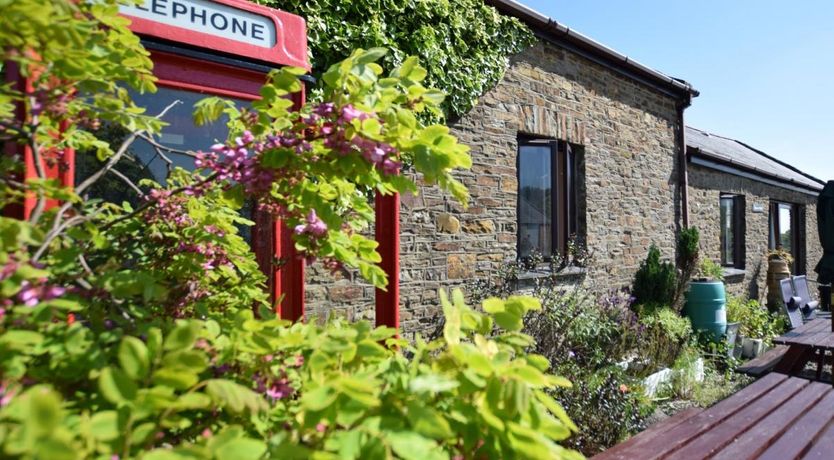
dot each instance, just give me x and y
(528, 279)
(734, 274)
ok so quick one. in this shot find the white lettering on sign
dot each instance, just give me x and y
(208, 17)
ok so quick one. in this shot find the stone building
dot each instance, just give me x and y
(576, 139)
(580, 141)
(745, 202)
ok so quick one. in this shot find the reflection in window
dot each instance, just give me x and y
(142, 160)
(784, 232)
(732, 230)
(534, 203)
(547, 186)
(727, 236)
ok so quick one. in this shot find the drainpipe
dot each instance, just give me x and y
(684, 176)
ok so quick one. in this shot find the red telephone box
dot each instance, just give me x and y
(226, 48)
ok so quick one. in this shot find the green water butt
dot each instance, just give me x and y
(706, 306)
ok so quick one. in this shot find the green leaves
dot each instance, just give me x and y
(133, 357)
(234, 396)
(509, 314)
(463, 45)
(183, 336)
(116, 386)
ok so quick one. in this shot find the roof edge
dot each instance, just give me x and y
(713, 157)
(787, 165)
(704, 159)
(612, 58)
(760, 152)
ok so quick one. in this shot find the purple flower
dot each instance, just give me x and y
(279, 390)
(28, 294)
(9, 269)
(390, 166)
(349, 113)
(6, 395)
(53, 292)
(315, 225)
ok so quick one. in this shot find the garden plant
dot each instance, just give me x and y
(145, 331)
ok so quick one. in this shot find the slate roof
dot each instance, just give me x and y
(737, 154)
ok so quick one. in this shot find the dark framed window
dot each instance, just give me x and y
(786, 232)
(547, 196)
(732, 230)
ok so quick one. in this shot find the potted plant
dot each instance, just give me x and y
(706, 300)
(735, 334)
(757, 325)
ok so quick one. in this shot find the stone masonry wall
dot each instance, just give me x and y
(705, 187)
(627, 174)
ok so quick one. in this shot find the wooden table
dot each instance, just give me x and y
(811, 341)
(775, 417)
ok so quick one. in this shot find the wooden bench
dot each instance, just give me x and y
(775, 417)
(763, 364)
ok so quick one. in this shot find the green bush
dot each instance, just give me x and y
(664, 335)
(607, 403)
(655, 281)
(585, 336)
(688, 240)
(253, 387)
(576, 326)
(684, 382)
(464, 44)
(687, 247)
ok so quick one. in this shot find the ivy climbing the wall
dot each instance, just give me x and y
(464, 45)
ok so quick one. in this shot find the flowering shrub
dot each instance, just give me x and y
(145, 331)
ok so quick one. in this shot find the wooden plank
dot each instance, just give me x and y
(619, 452)
(764, 363)
(823, 447)
(712, 440)
(650, 447)
(802, 432)
(755, 440)
(825, 343)
(800, 334)
(814, 338)
(794, 360)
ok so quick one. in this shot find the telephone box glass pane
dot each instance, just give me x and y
(143, 160)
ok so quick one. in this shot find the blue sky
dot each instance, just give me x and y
(764, 67)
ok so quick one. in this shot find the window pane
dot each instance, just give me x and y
(142, 161)
(535, 194)
(727, 231)
(786, 228)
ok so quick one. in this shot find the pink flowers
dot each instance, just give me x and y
(31, 294)
(6, 394)
(279, 389)
(313, 226)
(168, 208)
(240, 162)
(350, 113)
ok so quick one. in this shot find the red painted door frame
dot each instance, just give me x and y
(272, 241)
(387, 232)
